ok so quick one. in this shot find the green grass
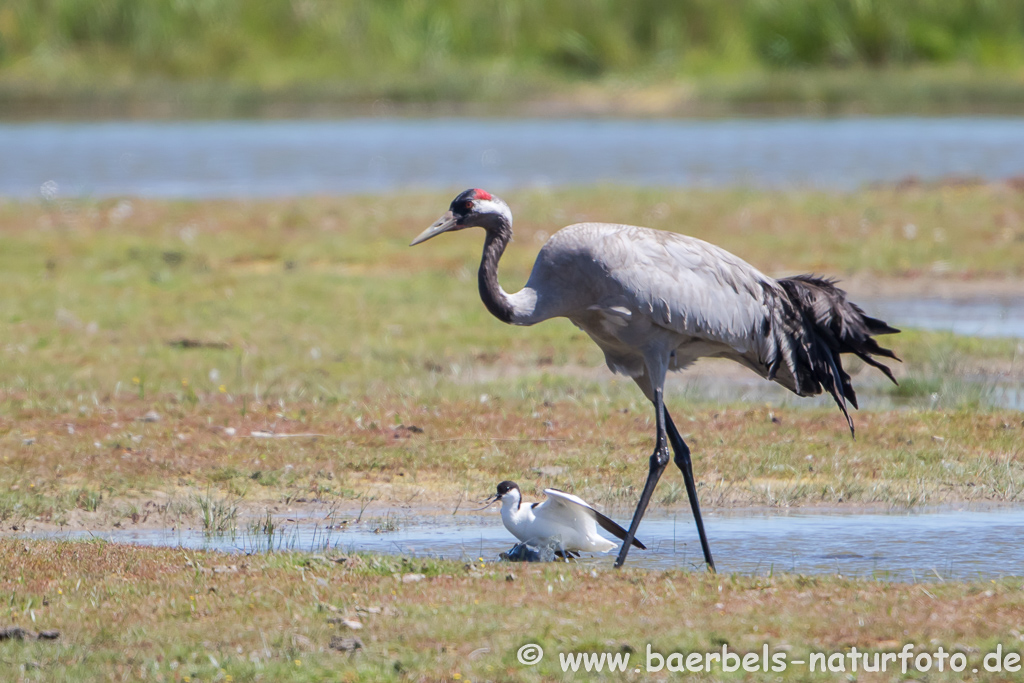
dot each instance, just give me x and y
(227, 57)
(280, 41)
(219, 516)
(323, 299)
(315, 317)
(172, 615)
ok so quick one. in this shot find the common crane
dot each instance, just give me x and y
(656, 301)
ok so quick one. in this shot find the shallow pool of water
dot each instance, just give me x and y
(927, 546)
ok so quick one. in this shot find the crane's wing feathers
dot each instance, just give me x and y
(637, 276)
(791, 330)
(561, 498)
(821, 324)
(702, 290)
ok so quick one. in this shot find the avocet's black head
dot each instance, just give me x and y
(472, 208)
(506, 486)
(504, 489)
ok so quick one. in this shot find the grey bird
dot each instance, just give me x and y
(656, 301)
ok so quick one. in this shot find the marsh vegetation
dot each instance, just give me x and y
(298, 57)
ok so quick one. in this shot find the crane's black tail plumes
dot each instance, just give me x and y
(820, 325)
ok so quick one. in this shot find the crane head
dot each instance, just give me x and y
(472, 208)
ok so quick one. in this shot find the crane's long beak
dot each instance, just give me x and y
(443, 224)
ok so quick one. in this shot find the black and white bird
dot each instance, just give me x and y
(656, 301)
(564, 520)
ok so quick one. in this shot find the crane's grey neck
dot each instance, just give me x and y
(515, 309)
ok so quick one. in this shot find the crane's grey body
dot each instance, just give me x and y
(656, 301)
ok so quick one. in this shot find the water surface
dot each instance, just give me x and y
(930, 546)
(287, 158)
(974, 317)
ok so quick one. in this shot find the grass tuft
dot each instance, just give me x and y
(219, 516)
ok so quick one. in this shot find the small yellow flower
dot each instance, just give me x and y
(456, 676)
(184, 382)
(298, 662)
(136, 380)
(223, 389)
(60, 592)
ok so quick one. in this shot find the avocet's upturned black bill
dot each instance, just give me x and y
(656, 301)
(566, 520)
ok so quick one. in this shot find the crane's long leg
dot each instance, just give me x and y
(659, 461)
(683, 462)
